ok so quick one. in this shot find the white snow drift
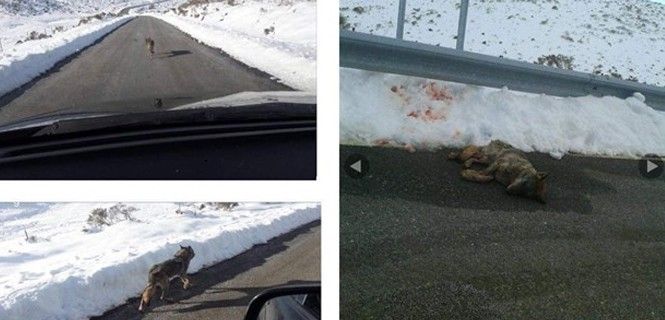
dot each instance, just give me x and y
(31, 58)
(273, 36)
(391, 110)
(51, 269)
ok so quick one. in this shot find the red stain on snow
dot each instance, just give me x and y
(428, 114)
(437, 93)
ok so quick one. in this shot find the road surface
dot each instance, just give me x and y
(417, 242)
(223, 291)
(117, 74)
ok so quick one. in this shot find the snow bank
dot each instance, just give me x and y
(66, 273)
(31, 58)
(277, 39)
(382, 109)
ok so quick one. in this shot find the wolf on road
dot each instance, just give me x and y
(161, 274)
(505, 164)
(150, 46)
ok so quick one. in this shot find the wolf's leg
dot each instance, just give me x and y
(476, 158)
(185, 281)
(148, 292)
(464, 153)
(469, 153)
(513, 188)
(469, 162)
(476, 176)
(164, 284)
(482, 159)
(491, 169)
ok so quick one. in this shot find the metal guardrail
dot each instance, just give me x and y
(400, 19)
(461, 26)
(389, 55)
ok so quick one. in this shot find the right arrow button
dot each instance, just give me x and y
(651, 166)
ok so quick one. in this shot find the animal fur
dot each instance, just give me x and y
(150, 46)
(161, 274)
(506, 165)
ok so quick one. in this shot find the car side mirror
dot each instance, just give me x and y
(293, 302)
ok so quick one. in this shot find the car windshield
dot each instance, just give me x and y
(113, 57)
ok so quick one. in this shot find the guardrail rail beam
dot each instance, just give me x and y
(389, 55)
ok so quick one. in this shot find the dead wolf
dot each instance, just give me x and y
(161, 274)
(150, 46)
(506, 165)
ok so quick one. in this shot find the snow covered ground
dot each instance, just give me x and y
(621, 37)
(397, 111)
(22, 62)
(278, 37)
(54, 264)
(275, 36)
(36, 34)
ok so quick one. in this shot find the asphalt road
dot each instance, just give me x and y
(417, 242)
(223, 291)
(118, 75)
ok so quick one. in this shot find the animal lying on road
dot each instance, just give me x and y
(161, 274)
(506, 165)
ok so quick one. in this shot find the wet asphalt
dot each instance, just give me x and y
(418, 242)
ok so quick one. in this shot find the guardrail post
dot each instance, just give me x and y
(400, 19)
(461, 26)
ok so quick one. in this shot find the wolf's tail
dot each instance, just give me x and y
(147, 295)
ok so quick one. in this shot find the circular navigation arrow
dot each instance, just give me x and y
(356, 166)
(651, 166)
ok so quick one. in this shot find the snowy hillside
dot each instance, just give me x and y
(623, 38)
(62, 261)
(31, 8)
(41, 7)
